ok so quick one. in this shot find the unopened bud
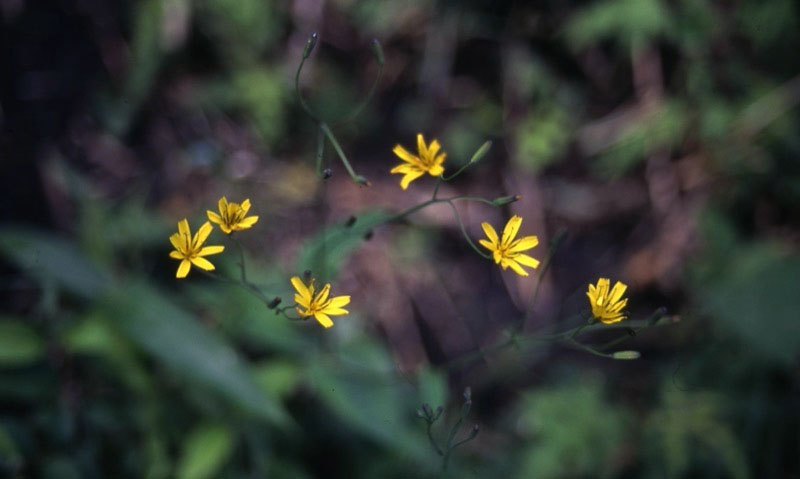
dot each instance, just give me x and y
(480, 152)
(627, 355)
(656, 316)
(630, 331)
(377, 50)
(420, 414)
(504, 200)
(474, 432)
(350, 221)
(310, 44)
(327, 173)
(439, 411)
(368, 235)
(274, 303)
(362, 181)
(307, 276)
(428, 411)
(466, 407)
(468, 393)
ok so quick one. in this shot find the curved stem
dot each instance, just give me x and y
(357, 111)
(464, 231)
(299, 94)
(350, 171)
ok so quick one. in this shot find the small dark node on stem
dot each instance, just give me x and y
(368, 235)
(327, 173)
(350, 221)
(274, 303)
(307, 276)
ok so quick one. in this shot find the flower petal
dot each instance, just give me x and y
(523, 244)
(175, 239)
(302, 301)
(183, 227)
(404, 155)
(323, 319)
(202, 263)
(301, 288)
(213, 217)
(222, 204)
(322, 296)
(516, 267)
(436, 170)
(487, 244)
(175, 255)
(526, 260)
(510, 230)
(490, 232)
(433, 148)
(207, 250)
(616, 292)
(247, 222)
(183, 269)
(339, 301)
(402, 168)
(423, 150)
(245, 206)
(409, 177)
(202, 234)
(335, 311)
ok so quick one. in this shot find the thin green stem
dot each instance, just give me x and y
(320, 150)
(557, 239)
(339, 152)
(436, 186)
(464, 231)
(433, 441)
(299, 94)
(357, 111)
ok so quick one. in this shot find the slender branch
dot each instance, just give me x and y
(433, 441)
(320, 150)
(339, 152)
(299, 94)
(464, 231)
(357, 111)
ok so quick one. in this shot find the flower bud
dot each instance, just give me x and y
(307, 276)
(468, 393)
(627, 355)
(350, 221)
(480, 152)
(274, 303)
(504, 200)
(327, 173)
(368, 235)
(310, 44)
(439, 411)
(474, 432)
(428, 411)
(377, 50)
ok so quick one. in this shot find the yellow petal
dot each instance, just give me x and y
(207, 250)
(433, 148)
(322, 296)
(490, 232)
(202, 234)
(335, 311)
(304, 314)
(245, 206)
(617, 291)
(175, 255)
(617, 307)
(402, 168)
(202, 263)
(409, 177)
(435, 170)
(499, 258)
(323, 319)
(510, 231)
(175, 239)
(423, 150)
(517, 268)
(404, 155)
(302, 301)
(214, 217)
(183, 269)
(248, 222)
(487, 244)
(523, 244)
(301, 288)
(183, 227)
(527, 260)
(222, 204)
(339, 301)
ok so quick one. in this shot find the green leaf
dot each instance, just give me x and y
(19, 343)
(172, 337)
(277, 378)
(205, 451)
(49, 258)
(432, 387)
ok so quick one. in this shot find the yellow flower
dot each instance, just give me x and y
(508, 251)
(231, 216)
(607, 306)
(429, 161)
(190, 250)
(318, 305)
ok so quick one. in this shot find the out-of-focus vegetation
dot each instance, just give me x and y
(663, 135)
